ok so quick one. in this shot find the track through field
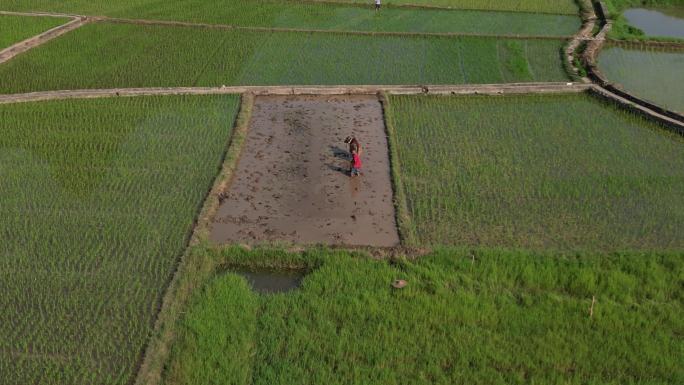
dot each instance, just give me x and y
(33, 42)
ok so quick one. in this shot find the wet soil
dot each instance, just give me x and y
(292, 182)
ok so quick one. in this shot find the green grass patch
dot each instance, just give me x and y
(14, 29)
(115, 55)
(545, 172)
(98, 201)
(471, 317)
(221, 11)
(651, 73)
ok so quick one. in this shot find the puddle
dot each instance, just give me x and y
(658, 22)
(272, 281)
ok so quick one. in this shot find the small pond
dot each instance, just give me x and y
(272, 281)
(667, 22)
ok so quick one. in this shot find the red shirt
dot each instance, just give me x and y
(357, 161)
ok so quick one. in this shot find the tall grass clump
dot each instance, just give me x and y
(471, 317)
(14, 29)
(561, 173)
(107, 55)
(98, 200)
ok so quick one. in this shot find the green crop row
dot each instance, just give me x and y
(14, 29)
(653, 74)
(465, 317)
(355, 18)
(561, 173)
(219, 11)
(98, 200)
(108, 55)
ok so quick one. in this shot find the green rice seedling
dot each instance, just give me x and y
(213, 9)
(465, 316)
(653, 74)
(547, 172)
(105, 55)
(14, 29)
(98, 201)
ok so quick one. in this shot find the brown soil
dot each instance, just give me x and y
(292, 181)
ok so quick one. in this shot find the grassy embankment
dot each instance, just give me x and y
(652, 73)
(476, 317)
(107, 55)
(563, 173)
(213, 10)
(14, 29)
(98, 200)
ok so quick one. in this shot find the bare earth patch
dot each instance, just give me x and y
(292, 182)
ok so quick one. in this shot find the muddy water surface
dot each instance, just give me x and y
(272, 281)
(292, 180)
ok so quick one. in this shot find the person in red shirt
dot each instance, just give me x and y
(355, 164)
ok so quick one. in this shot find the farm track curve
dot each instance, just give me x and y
(32, 42)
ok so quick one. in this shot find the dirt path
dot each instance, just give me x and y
(32, 42)
(459, 89)
(291, 183)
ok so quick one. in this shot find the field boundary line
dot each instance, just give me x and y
(32, 42)
(170, 23)
(674, 125)
(444, 89)
(43, 14)
(192, 269)
(665, 45)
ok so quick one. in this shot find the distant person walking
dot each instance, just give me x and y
(377, 5)
(355, 165)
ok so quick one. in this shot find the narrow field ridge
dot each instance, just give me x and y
(443, 89)
(32, 42)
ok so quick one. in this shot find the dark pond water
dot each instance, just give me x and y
(658, 22)
(272, 281)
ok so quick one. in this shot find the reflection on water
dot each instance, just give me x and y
(272, 281)
(666, 22)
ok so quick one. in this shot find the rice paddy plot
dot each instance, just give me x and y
(108, 55)
(98, 199)
(562, 173)
(269, 11)
(653, 74)
(566, 7)
(14, 29)
(464, 317)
